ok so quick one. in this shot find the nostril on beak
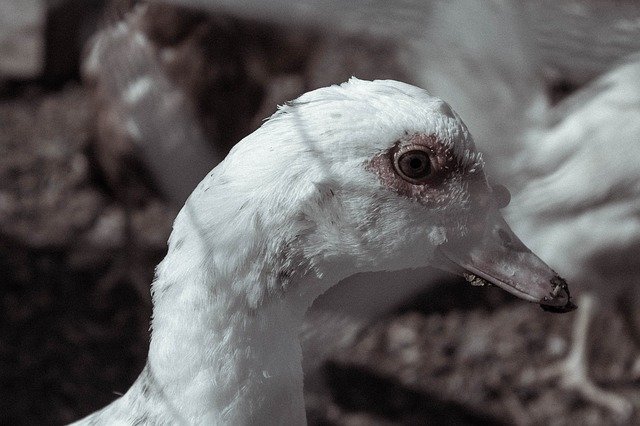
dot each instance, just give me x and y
(504, 236)
(510, 241)
(502, 195)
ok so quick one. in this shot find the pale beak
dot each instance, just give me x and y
(494, 254)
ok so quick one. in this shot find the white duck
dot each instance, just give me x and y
(578, 202)
(358, 177)
(487, 58)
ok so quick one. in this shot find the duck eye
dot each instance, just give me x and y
(413, 165)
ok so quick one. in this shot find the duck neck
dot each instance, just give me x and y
(216, 355)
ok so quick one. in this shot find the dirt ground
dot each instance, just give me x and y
(77, 253)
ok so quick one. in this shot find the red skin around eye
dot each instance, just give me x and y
(434, 190)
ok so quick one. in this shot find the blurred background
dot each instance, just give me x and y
(111, 111)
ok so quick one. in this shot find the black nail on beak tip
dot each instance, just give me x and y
(559, 299)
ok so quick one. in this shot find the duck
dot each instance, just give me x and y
(362, 176)
(546, 151)
(499, 81)
(578, 203)
(569, 164)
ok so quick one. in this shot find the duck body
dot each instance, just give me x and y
(583, 164)
(366, 176)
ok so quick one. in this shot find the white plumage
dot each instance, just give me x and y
(321, 191)
(571, 167)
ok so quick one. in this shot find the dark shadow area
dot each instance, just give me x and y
(61, 336)
(558, 90)
(458, 294)
(356, 389)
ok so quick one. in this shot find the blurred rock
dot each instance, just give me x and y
(22, 38)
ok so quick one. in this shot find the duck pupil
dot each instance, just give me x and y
(415, 163)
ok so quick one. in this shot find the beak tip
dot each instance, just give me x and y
(559, 299)
(568, 307)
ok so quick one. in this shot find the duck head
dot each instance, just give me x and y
(376, 175)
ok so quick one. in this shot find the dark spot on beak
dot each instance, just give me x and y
(504, 236)
(510, 241)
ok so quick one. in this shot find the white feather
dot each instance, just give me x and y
(290, 212)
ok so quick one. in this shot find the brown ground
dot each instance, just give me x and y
(76, 259)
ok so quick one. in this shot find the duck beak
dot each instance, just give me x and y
(493, 254)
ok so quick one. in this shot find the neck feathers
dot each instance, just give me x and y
(224, 345)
